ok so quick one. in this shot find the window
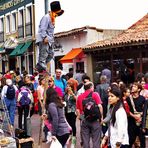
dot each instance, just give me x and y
(7, 23)
(1, 30)
(28, 21)
(57, 62)
(20, 18)
(1, 25)
(28, 15)
(20, 24)
(13, 21)
(80, 66)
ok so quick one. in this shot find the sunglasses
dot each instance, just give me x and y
(50, 81)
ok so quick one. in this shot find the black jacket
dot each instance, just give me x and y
(145, 117)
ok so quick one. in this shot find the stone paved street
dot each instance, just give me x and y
(35, 120)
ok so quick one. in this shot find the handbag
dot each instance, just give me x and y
(48, 124)
(105, 146)
(138, 123)
(55, 144)
(20, 133)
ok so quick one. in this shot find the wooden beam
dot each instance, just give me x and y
(111, 59)
(141, 65)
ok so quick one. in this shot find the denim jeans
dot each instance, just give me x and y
(45, 54)
(11, 106)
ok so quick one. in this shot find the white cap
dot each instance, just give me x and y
(9, 82)
(11, 71)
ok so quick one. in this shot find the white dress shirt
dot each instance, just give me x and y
(119, 132)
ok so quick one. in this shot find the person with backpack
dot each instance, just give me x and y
(28, 84)
(25, 101)
(8, 94)
(89, 111)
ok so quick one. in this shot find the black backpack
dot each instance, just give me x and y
(10, 92)
(91, 109)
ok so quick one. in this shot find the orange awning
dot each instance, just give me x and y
(68, 58)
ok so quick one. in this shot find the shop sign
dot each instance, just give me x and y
(9, 4)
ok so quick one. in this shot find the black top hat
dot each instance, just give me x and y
(55, 6)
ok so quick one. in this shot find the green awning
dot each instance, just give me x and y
(1, 49)
(25, 47)
(16, 51)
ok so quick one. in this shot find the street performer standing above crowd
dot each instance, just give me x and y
(45, 37)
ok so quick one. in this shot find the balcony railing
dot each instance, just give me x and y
(1, 37)
(29, 29)
(20, 31)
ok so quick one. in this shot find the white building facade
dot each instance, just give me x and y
(75, 39)
(19, 20)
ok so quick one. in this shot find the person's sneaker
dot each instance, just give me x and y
(44, 140)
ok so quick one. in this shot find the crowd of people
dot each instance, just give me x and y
(111, 114)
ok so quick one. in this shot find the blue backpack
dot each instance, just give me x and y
(25, 97)
(10, 94)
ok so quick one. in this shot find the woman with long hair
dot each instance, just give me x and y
(70, 109)
(117, 133)
(55, 109)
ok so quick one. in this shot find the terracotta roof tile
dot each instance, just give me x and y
(137, 33)
(75, 31)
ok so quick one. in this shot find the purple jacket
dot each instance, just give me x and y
(57, 119)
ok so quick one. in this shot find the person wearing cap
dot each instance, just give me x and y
(13, 76)
(7, 75)
(45, 36)
(10, 102)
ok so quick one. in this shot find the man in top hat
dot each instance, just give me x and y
(45, 37)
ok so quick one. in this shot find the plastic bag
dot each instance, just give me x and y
(55, 144)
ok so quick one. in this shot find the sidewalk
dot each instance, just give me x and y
(35, 121)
